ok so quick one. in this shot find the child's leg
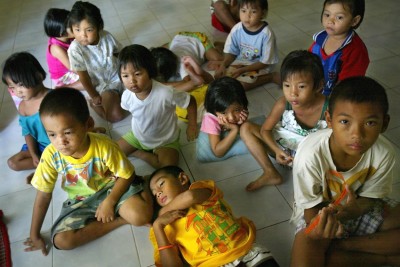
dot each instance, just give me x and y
(308, 252)
(161, 157)
(126, 147)
(138, 209)
(250, 134)
(349, 259)
(21, 161)
(111, 102)
(94, 230)
(214, 54)
(273, 77)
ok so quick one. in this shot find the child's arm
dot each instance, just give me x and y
(266, 131)
(105, 211)
(40, 207)
(247, 68)
(60, 54)
(169, 253)
(191, 131)
(220, 146)
(87, 84)
(187, 199)
(228, 59)
(33, 149)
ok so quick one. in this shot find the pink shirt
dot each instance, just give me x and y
(210, 124)
(56, 68)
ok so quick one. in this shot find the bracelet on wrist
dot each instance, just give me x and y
(166, 247)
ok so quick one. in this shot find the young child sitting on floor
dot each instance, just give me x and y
(24, 76)
(250, 48)
(226, 131)
(301, 110)
(195, 225)
(55, 26)
(339, 47)
(103, 191)
(93, 55)
(154, 135)
(350, 166)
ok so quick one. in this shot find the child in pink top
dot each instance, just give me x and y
(56, 54)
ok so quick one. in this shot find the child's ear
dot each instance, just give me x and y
(355, 21)
(184, 178)
(89, 124)
(328, 118)
(385, 124)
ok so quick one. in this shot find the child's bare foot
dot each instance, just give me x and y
(265, 179)
(194, 77)
(189, 61)
(28, 179)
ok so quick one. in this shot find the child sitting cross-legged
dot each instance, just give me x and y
(196, 226)
(103, 191)
(350, 166)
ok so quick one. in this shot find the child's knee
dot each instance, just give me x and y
(64, 241)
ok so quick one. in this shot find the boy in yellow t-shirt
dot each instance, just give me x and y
(196, 223)
(103, 192)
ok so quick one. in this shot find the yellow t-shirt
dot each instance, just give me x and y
(209, 235)
(103, 162)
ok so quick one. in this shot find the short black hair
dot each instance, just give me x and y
(140, 57)
(357, 8)
(172, 170)
(303, 61)
(359, 89)
(55, 22)
(23, 68)
(65, 100)
(223, 92)
(85, 10)
(167, 62)
(263, 4)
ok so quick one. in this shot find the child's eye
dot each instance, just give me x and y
(343, 121)
(124, 76)
(339, 17)
(67, 133)
(371, 123)
(50, 135)
(161, 183)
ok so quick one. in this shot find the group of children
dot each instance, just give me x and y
(327, 125)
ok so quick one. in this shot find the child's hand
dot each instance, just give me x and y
(237, 71)
(169, 217)
(328, 227)
(227, 125)
(96, 101)
(283, 158)
(105, 212)
(351, 209)
(244, 114)
(220, 72)
(36, 244)
(191, 132)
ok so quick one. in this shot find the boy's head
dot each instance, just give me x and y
(224, 92)
(261, 4)
(168, 182)
(65, 116)
(24, 69)
(139, 57)
(303, 62)
(356, 8)
(85, 11)
(166, 61)
(357, 114)
(55, 22)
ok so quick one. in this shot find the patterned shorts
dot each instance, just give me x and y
(368, 223)
(76, 214)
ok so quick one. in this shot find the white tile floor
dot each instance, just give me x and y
(152, 23)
